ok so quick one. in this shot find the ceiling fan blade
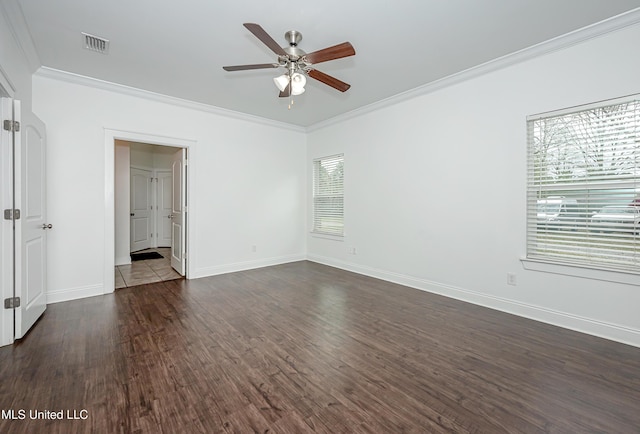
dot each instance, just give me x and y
(286, 92)
(336, 52)
(246, 67)
(267, 40)
(329, 80)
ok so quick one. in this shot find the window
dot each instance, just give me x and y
(328, 195)
(583, 188)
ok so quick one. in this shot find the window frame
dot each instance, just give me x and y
(316, 193)
(607, 190)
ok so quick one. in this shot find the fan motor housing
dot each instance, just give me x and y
(293, 37)
(294, 52)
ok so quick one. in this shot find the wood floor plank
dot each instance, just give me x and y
(302, 347)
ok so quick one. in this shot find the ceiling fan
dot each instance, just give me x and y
(297, 63)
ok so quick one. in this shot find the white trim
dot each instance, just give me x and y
(123, 260)
(583, 107)
(6, 228)
(585, 272)
(246, 265)
(6, 86)
(110, 136)
(60, 295)
(82, 80)
(555, 44)
(577, 323)
(20, 31)
(326, 236)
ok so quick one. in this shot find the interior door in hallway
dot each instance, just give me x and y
(140, 209)
(163, 202)
(178, 211)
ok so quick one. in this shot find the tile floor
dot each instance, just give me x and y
(147, 271)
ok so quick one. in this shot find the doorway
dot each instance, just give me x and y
(118, 247)
(144, 213)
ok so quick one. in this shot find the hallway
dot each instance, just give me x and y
(146, 271)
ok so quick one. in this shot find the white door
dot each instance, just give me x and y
(163, 202)
(32, 286)
(140, 209)
(24, 235)
(178, 211)
(6, 229)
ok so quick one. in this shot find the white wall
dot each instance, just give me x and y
(435, 188)
(248, 190)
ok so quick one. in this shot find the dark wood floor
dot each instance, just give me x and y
(306, 348)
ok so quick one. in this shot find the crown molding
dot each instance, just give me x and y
(6, 85)
(83, 80)
(20, 30)
(601, 28)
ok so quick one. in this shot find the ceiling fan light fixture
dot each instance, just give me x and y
(281, 82)
(296, 62)
(298, 81)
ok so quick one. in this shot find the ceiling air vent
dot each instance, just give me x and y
(95, 43)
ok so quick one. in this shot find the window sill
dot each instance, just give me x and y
(616, 276)
(327, 236)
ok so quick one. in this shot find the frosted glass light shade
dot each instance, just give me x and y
(297, 83)
(281, 82)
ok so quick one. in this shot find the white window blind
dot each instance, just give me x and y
(583, 189)
(328, 195)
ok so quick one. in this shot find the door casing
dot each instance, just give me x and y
(6, 227)
(110, 136)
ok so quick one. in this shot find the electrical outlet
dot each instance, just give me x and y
(511, 279)
(254, 248)
(352, 250)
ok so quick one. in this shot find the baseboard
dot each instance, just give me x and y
(123, 260)
(246, 265)
(60, 295)
(589, 326)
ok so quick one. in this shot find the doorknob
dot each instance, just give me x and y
(132, 214)
(47, 226)
(170, 216)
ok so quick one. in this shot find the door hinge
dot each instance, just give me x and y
(13, 126)
(11, 303)
(12, 214)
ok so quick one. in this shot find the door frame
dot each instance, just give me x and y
(7, 246)
(110, 136)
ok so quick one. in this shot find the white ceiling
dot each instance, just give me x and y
(178, 48)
